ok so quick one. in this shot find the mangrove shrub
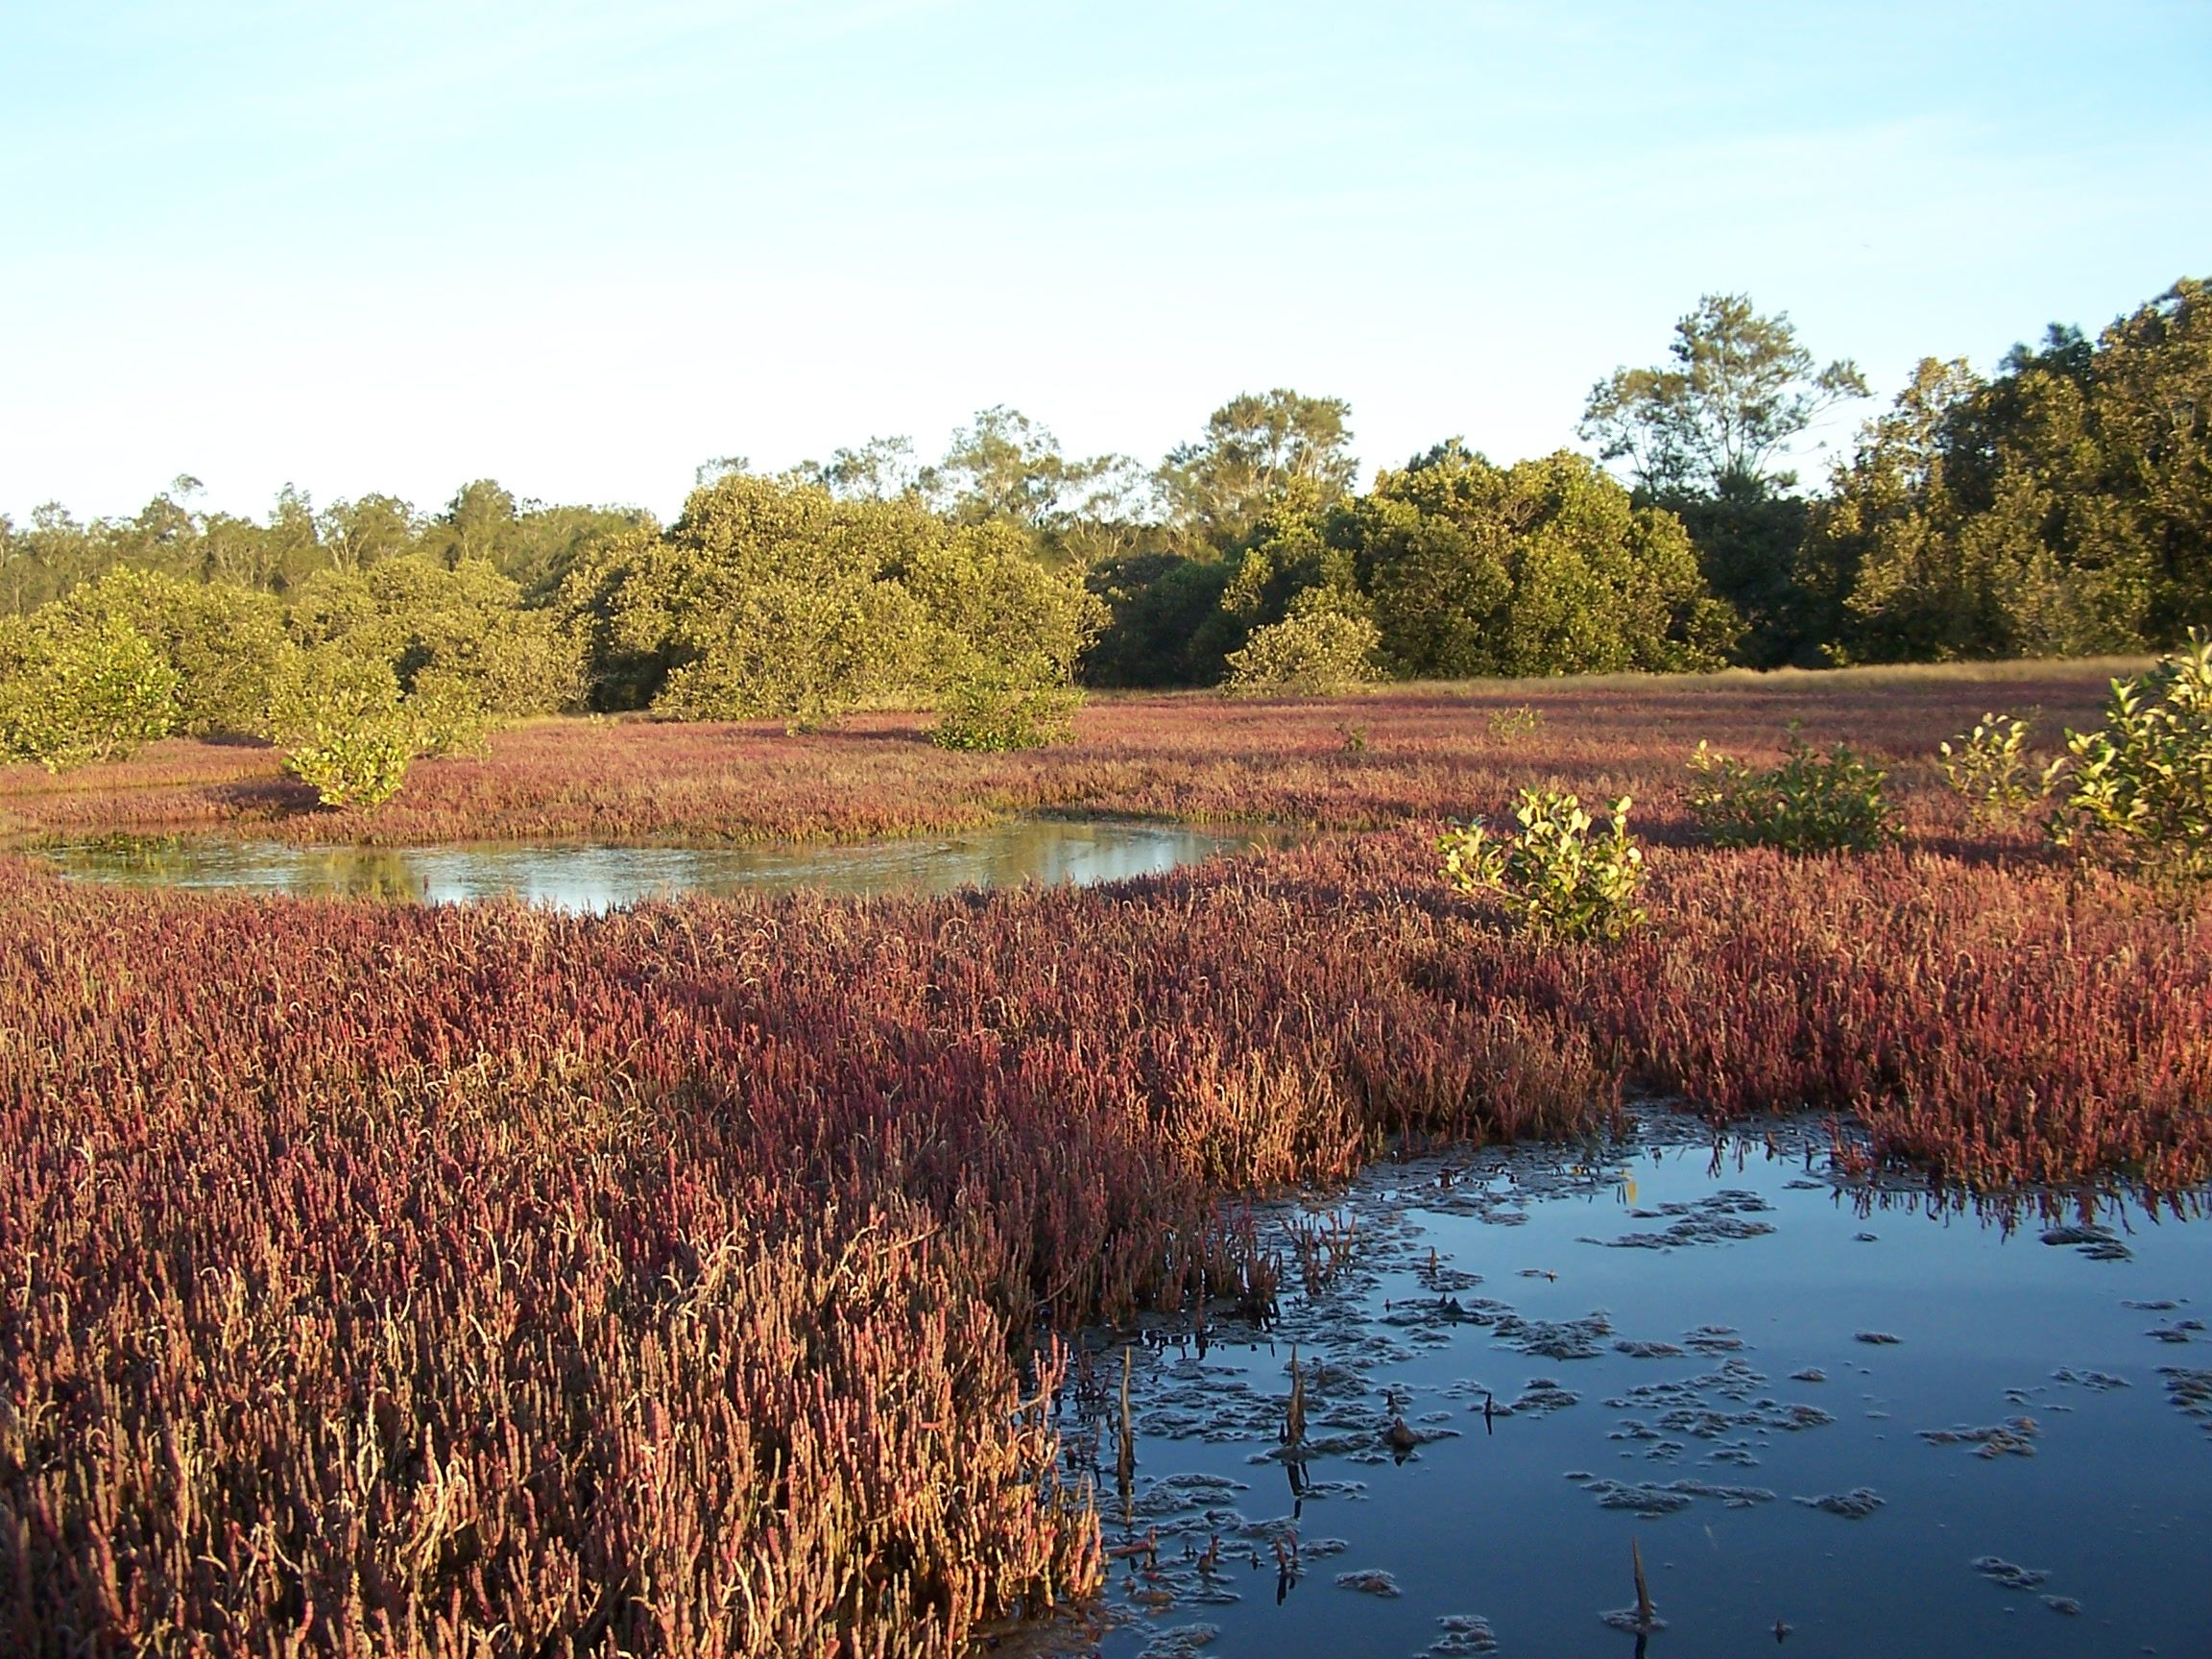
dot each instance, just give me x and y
(1001, 708)
(1316, 653)
(1988, 764)
(2141, 788)
(74, 693)
(222, 643)
(1557, 877)
(343, 726)
(1547, 566)
(1810, 803)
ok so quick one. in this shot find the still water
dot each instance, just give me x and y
(1833, 1420)
(597, 879)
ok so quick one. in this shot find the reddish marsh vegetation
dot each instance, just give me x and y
(1358, 763)
(392, 1278)
(376, 1279)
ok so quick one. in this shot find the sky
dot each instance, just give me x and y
(583, 247)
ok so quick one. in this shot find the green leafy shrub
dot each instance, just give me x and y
(1812, 803)
(357, 766)
(222, 642)
(1557, 878)
(344, 732)
(1317, 653)
(984, 597)
(462, 625)
(71, 694)
(1988, 765)
(997, 707)
(2140, 790)
(800, 651)
(1511, 725)
(449, 714)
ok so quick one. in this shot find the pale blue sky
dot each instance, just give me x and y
(581, 247)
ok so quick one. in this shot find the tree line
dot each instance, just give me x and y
(2060, 505)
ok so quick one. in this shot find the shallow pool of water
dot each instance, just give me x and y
(1834, 1420)
(597, 879)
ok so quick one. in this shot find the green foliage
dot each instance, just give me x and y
(773, 598)
(342, 725)
(74, 693)
(2060, 505)
(1988, 765)
(1311, 653)
(1001, 708)
(454, 642)
(461, 627)
(528, 542)
(2150, 402)
(786, 649)
(1966, 525)
(1810, 803)
(986, 600)
(880, 469)
(1556, 876)
(1292, 560)
(353, 765)
(223, 643)
(448, 716)
(768, 599)
(1511, 725)
(597, 601)
(2058, 508)
(1256, 448)
(1543, 567)
(1740, 388)
(1004, 469)
(1165, 623)
(359, 534)
(532, 544)
(2140, 790)
(1749, 537)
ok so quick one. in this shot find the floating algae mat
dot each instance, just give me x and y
(596, 879)
(1849, 1419)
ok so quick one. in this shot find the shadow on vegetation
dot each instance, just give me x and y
(260, 798)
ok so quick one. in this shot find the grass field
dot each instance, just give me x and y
(388, 1280)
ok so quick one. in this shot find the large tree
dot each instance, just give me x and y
(1740, 388)
(1002, 469)
(880, 469)
(370, 529)
(1005, 468)
(1257, 448)
(772, 597)
(1166, 624)
(2151, 400)
(2062, 507)
(1704, 436)
(1546, 566)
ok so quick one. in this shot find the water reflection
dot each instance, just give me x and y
(1705, 1396)
(597, 879)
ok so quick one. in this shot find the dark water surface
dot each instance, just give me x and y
(596, 879)
(1894, 1426)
